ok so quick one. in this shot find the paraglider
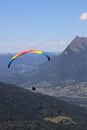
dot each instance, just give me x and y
(33, 88)
(28, 51)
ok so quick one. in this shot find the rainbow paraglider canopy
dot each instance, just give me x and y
(28, 51)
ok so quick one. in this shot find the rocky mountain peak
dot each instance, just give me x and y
(78, 45)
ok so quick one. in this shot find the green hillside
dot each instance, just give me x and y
(25, 110)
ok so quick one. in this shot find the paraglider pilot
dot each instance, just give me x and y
(33, 88)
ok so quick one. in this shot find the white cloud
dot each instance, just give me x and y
(59, 43)
(83, 16)
(55, 46)
(31, 44)
(20, 46)
(8, 46)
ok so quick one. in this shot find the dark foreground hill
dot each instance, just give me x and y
(21, 109)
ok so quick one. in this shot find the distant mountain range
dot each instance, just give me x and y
(22, 109)
(21, 66)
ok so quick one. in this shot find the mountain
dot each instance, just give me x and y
(69, 67)
(22, 109)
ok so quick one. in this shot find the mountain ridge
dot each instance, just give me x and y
(78, 44)
(69, 65)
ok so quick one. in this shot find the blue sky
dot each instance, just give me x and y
(48, 25)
